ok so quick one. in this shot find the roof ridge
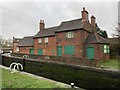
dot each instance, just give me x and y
(27, 36)
(50, 27)
(72, 20)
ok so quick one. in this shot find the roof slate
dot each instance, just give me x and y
(46, 32)
(94, 38)
(70, 25)
(16, 40)
(64, 26)
(113, 40)
(26, 41)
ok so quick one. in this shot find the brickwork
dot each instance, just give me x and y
(57, 36)
(48, 48)
(25, 50)
(58, 59)
(98, 51)
(76, 41)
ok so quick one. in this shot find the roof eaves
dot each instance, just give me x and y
(25, 46)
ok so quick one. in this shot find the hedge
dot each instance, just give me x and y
(82, 77)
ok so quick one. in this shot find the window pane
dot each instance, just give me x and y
(70, 34)
(46, 40)
(105, 51)
(39, 40)
(105, 46)
(17, 49)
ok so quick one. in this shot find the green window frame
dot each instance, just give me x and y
(69, 50)
(106, 49)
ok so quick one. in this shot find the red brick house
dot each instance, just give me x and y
(15, 43)
(26, 45)
(74, 38)
(45, 41)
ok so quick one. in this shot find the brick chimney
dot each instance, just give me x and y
(42, 24)
(84, 14)
(93, 22)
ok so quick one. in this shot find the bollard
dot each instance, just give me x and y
(72, 85)
(101, 66)
(23, 64)
(24, 56)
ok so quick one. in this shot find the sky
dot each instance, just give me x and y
(22, 18)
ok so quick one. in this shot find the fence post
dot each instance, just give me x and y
(0, 59)
(23, 64)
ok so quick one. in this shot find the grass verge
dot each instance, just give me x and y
(18, 80)
(112, 63)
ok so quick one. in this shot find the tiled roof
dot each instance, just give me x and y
(64, 26)
(94, 38)
(70, 25)
(16, 40)
(113, 40)
(26, 41)
(46, 32)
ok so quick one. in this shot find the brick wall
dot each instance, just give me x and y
(59, 59)
(77, 41)
(48, 48)
(25, 50)
(98, 53)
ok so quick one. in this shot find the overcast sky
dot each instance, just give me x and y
(21, 19)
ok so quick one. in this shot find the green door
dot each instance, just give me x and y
(90, 52)
(59, 50)
(31, 51)
(40, 51)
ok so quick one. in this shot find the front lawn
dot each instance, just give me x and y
(18, 80)
(112, 63)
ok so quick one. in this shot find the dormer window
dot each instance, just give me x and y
(70, 34)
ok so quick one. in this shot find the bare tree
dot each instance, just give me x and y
(5, 43)
(2, 40)
(117, 31)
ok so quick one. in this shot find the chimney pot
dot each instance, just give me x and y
(41, 24)
(84, 14)
(83, 8)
